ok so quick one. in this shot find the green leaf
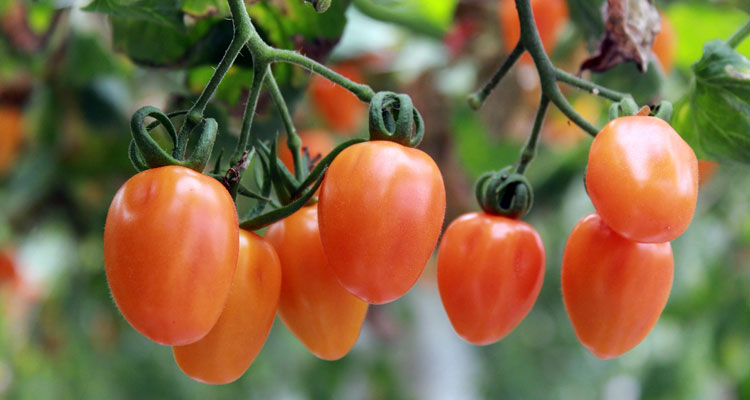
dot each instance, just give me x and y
(205, 8)
(87, 59)
(161, 12)
(714, 117)
(429, 17)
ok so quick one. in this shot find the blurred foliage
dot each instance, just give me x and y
(62, 336)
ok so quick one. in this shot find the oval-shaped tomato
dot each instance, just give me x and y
(665, 44)
(550, 16)
(10, 136)
(614, 290)
(381, 210)
(643, 179)
(317, 142)
(341, 110)
(170, 251)
(320, 313)
(226, 352)
(490, 272)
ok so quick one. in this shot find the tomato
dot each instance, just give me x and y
(550, 16)
(230, 347)
(170, 251)
(11, 128)
(320, 313)
(8, 272)
(318, 143)
(665, 44)
(643, 179)
(381, 210)
(490, 272)
(341, 110)
(706, 171)
(614, 290)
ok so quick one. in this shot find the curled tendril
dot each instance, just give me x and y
(504, 193)
(625, 107)
(146, 153)
(664, 111)
(394, 118)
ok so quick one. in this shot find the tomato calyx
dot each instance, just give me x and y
(393, 117)
(505, 193)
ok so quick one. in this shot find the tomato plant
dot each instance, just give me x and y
(614, 289)
(313, 305)
(170, 251)
(316, 142)
(490, 272)
(339, 109)
(227, 351)
(381, 210)
(643, 179)
(12, 134)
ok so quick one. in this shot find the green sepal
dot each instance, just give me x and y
(504, 193)
(393, 117)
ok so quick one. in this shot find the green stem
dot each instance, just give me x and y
(477, 98)
(259, 73)
(362, 91)
(529, 151)
(739, 36)
(243, 30)
(591, 87)
(292, 138)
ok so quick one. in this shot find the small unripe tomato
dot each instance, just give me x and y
(381, 210)
(643, 179)
(226, 352)
(170, 251)
(11, 128)
(490, 272)
(614, 290)
(550, 17)
(341, 110)
(320, 313)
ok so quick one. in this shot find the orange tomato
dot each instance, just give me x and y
(230, 347)
(560, 131)
(550, 16)
(8, 271)
(170, 251)
(320, 313)
(381, 210)
(342, 111)
(11, 128)
(665, 44)
(643, 179)
(614, 290)
(706, 171)
(317, 142)
(490, 272)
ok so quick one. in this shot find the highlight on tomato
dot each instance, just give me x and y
(643, 179)
(170, 250)
(317, 142)
(227, 351)
(490, 271)
(11, 136)
(381, 211)
(313, 305)
(341, 110)
(614, 289)
(665, 44)
(551, 16)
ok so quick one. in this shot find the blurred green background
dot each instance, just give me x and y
(74, 78)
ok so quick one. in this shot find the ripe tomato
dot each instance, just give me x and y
(342, 111)
(10, 136)
(665, 44)
(550, 16)
(318, 143)
(170, 250)
(381, 210)
(490, 272)
(320, 313)
(230, 347)
(643, 179)
(614, 290)
(706, 171)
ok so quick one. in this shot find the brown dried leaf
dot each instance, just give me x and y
(631, 26)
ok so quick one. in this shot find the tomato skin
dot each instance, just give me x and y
(551, 16)
(665, 44)
(614, 290)
(170, 250)
(11, 127)
(643, 179)
(490, 272)
(313, 305)
(227, 351)
(341, 110)
(381, 211)
(317, 141)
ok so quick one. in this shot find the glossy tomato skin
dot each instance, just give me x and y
(643, 179)
(170, 251)
(490, 272)
(341, 110)
(11, 128)
(551, 16)
(226, 352)
(381, 210)
(313, 305)
(614, 290)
